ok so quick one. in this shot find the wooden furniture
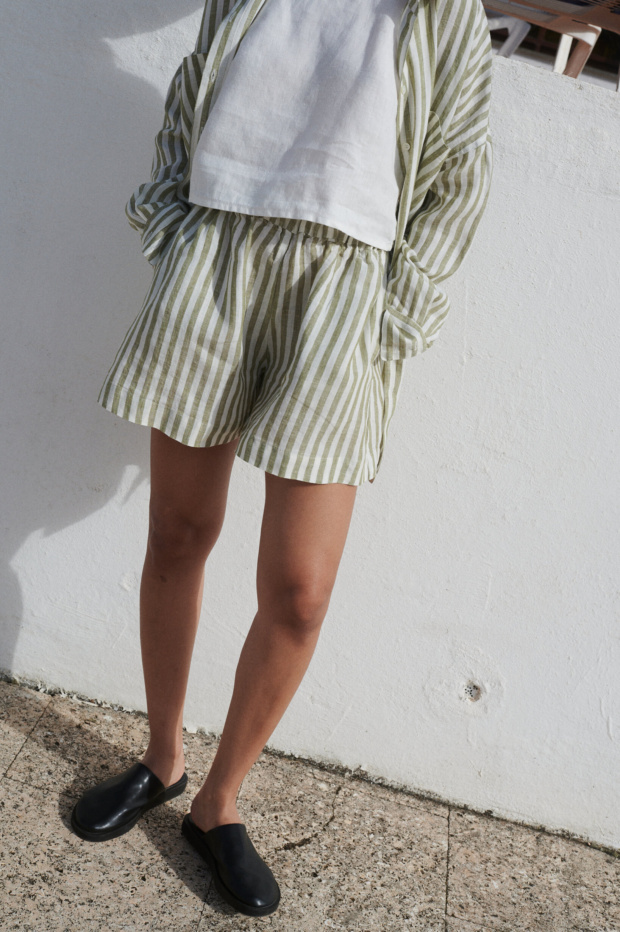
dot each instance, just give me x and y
(545, 13)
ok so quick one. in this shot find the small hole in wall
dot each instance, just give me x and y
(472, 691)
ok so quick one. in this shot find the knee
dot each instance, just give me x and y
(299, 604)
(178, 538)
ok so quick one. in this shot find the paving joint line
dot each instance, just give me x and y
(445, 921)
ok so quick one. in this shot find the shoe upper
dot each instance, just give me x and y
(118, 799)
(241, 868)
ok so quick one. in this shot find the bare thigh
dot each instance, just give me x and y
(303, 532)
(189, 489)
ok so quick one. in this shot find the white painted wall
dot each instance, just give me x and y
(487, 549)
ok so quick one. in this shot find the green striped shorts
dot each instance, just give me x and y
(267, 329)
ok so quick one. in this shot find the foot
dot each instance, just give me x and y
(241, 876)
(113, 807)
(207, 814)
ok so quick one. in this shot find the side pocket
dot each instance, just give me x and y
(161, 230)
(175, 233)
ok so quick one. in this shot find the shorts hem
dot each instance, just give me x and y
(156, 419)
(288, 468)
(317, 471)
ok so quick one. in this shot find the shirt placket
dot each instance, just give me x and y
(239, 17)
(407, 23)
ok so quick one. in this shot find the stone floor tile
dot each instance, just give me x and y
(509, 878)
(284, 801)
(294, 799)
(376, 866)
(350, 855)
(408, 799)
(20, 710)
(75, 742)
(504, 876)
(53, 881)
(592, 888)
(388, 859)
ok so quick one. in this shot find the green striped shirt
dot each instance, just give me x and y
(444, 146)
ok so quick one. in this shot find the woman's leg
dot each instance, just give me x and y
(303, 533)
(189, 488)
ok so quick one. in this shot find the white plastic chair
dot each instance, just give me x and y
(517, 31)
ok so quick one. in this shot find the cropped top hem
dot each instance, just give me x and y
(302, 121)
(341, 219)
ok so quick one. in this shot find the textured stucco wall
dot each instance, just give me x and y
(486, 552)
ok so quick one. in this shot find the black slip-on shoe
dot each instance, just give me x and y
(240, 875)
(113, 807)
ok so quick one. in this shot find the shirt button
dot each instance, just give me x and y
(406, 145)
(213, 74)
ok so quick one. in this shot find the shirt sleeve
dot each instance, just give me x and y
(157, 207)
(440, 232)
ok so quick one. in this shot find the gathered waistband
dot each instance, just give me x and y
(311, 228)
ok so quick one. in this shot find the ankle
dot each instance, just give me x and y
(207, 814)
(216, 799)
(168, 766)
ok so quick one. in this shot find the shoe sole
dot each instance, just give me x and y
(202, 849)
(175, 790)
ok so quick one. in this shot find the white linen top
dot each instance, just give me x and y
(304, 123)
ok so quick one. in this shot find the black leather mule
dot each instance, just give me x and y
(113, 807)
(240, 875)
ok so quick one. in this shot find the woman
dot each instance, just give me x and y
(322, 167)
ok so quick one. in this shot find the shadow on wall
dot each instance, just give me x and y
(77, 139)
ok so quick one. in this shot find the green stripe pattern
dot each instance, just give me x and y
(193, 357)
(267, 329)
(445, 143)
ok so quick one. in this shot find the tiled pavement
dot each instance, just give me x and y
(348, 854)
